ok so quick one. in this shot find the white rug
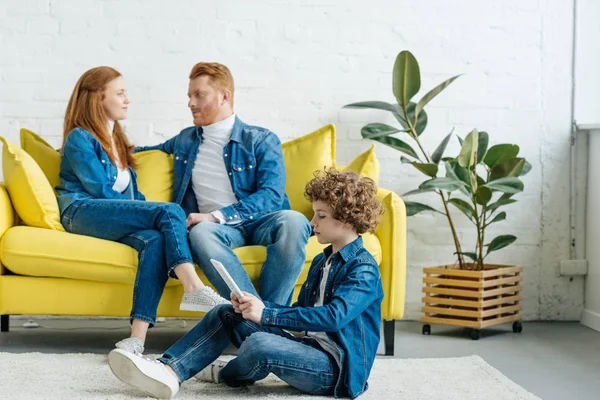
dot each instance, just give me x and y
(87, 376)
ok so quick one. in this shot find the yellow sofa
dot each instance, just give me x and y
(45, 270)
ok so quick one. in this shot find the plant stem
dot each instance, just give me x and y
(415, 136)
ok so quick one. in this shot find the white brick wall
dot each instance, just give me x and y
(297, 63)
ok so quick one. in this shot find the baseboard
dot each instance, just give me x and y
(591, 319)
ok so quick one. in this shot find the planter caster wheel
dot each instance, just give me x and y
(517, 327)
(426, 329)
(475, 334)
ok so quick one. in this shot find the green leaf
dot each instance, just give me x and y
(500, 242)
(468, 152)
(484, 139)
(439, 152)
(421, 120)
(506, 185)
(465, 207)
(395, 109)
(376, 129)
(432, 93)
(472, 256)
(378, 105)
(418, 191)
(510, 167)
(501, 202)
(526, 168)
(500, 152)
(456, 172)
(397, 144)
(448, 184)
(413, 208)
(460, 140)
(500, 217)
(406, 80)
(405, 160)
(428, 169)
(410, 111)
(484, 195)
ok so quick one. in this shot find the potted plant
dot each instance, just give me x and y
(478, 182)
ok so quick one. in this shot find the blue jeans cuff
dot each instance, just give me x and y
(171, 362)
(177, 263)
(144, 318)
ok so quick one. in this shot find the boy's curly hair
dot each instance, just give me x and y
(351, 197)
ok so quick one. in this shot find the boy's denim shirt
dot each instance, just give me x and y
(87, 172)
(351, 312)
(253, 160)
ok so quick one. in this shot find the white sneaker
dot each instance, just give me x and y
(150, 376)
(211, 372)
(131, 344)
(202, 300)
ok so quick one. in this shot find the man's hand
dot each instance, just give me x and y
(250, 306)
(196, 218)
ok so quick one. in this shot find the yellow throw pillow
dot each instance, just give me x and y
(155, 175)
(303, 156)
(365, 164)
(29, 190)
(44, 155)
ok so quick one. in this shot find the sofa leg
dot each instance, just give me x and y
(389, 330)
(3, 323)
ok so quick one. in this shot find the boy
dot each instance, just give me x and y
(339, 308)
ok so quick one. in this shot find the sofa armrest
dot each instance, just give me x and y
(391, 233)
(7, 215)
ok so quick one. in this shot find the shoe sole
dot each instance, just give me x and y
(195, 307)
(127, 371)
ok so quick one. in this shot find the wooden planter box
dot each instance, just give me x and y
(472, 299)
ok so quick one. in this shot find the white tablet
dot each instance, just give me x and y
(227, 278)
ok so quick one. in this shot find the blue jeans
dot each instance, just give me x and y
(156, 230)
(284, 233)
(299, 362)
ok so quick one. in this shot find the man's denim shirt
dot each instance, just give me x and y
(254, 163)
(351, 312)
(87, 172)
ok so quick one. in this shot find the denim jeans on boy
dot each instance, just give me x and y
(299, 362)
(156, 230)
(284, 233)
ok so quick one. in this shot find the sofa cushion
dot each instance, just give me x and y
(42, 252)
(155, 175)
(365, 164)
(303, 156)
(44, 155)
(31, 194)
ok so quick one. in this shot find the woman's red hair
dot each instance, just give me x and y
(85, 110)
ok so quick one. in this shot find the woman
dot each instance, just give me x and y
(98, 196)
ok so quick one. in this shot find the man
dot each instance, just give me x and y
(229, 177)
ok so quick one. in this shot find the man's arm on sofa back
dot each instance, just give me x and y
(391, 233)
(7, 215)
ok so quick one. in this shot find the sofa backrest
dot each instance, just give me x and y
(302, 156)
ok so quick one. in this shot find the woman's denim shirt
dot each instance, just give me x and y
(351, 312)
(254, 162)
(87, 172)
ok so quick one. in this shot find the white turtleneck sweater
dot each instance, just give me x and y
(123, 177)
(209, 177)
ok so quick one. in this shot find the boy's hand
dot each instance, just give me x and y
(195, 218)
(251, 307)
(235, 303)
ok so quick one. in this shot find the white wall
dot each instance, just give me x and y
(297, 63)
(591, 313)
